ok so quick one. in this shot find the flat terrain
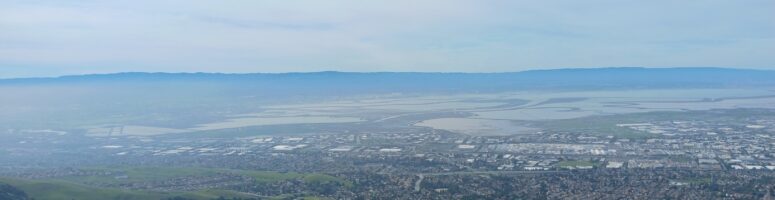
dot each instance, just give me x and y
(484, 114)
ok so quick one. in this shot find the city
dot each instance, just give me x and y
(384, 100)
(710, 158)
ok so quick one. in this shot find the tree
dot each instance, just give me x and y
(8, 192)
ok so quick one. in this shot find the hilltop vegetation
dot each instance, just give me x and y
(8, 192)
(56, 189)
(83, 187)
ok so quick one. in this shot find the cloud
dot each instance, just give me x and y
(44, 38)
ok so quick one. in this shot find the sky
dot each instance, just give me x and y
(52, 38)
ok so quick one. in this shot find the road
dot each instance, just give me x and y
(417, 184)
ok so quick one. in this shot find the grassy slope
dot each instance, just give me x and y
(138, 174)
(75, 186)
(58, 189)
(162, 173)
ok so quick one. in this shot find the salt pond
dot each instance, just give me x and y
(477, 127)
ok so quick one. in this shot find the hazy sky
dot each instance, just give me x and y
(48, 38)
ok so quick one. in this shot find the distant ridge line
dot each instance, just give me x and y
(603, 69)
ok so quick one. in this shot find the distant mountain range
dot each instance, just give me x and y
(380, 82)
(160, 99)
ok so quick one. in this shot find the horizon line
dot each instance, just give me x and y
(365, 72)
